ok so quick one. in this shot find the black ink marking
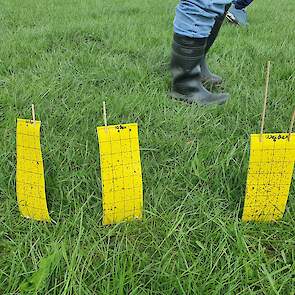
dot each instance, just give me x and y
(120, 127)
(275, 138)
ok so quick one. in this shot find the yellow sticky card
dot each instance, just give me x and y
(269, 176)
(121, 175)
(30, 183)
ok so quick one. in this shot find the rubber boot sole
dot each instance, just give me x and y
(192, 100)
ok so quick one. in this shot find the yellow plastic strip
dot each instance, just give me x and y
(30, 183)
(121, 175)
(269, 176)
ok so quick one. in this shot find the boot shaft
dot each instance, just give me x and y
(216, 28)
(187, 52)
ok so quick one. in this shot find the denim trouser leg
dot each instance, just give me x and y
(242, 4)
(195, 18)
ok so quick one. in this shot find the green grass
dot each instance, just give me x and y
(69, 56)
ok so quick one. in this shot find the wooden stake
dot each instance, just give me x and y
(105, 114)
(265, 100)
(33, 114)
(291, 126)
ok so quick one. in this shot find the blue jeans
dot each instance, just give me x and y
(195, 18)
(242, 4)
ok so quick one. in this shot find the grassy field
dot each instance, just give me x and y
(67, 57)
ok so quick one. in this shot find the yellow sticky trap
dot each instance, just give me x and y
(121, 176)
(269, 176)
(30, 183)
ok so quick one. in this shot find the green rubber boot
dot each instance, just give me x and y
(187, 54)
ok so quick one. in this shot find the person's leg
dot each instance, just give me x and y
(195, 18)
(207, 75)
(193, 24)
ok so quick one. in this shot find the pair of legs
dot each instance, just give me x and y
(237, 13)
(196, 26)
